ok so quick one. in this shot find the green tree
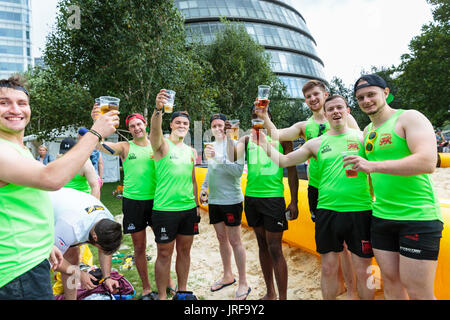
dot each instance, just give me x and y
(239, 65)
(129, 49)
(423, 83)
(56, 104)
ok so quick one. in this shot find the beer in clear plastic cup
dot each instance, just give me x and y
(108, 103)
(168, 106)
(234, 129)
(263, 96)
(208, 145)
(349, 172)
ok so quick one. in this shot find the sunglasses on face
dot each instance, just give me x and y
(370, 141)
(321, 129)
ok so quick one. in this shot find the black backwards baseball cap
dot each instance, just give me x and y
(220, 116)
(180, 114)
(66, 145)
(372, 80)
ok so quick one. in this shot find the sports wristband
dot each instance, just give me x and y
(96, 134)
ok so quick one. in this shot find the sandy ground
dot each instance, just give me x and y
(303, 267)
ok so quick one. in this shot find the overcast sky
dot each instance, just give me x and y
(351, 35)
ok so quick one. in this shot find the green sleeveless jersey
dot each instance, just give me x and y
(312, 131)
(79, 183)
(26, 227)
(174, 188)
(264, 177)
(337, 192)
(398, 197)
(139, 181)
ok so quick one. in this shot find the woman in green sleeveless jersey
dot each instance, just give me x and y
(175, 211)
(344, 208)
(407, 225)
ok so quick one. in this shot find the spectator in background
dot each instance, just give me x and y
(44, 157)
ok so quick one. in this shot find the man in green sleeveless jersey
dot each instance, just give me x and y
(407, 221)
(344, 204)
(315, 93)
(138, 191)
(265, 209)
(26, 213)
(86, 179)
(176, 211)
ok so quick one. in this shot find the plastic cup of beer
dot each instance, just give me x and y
(349, 172)
(257, 124)
(208, 145)
(234, 129)
(168, 106)
(108, 103)
(97, 104)
(263, 96)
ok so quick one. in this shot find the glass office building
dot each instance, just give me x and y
(275, 24)
(15, 38)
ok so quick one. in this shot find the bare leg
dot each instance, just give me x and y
(329, 279)
(183, 262)
(266, 263)
(417, 277)
(389, 263)
(140, 259)
(225, 253)
(162, 267)
(234, 235)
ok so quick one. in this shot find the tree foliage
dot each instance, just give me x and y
(55, 103)
(239, 65)
(129, 49)
(424, 78)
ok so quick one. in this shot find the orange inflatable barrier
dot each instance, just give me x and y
(444, 160)
(301, 231)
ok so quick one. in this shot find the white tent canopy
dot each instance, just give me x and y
(111, 169)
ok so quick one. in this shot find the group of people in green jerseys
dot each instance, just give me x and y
(388, 210)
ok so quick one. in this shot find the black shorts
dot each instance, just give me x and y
(313, 196)
(333, 228)
(413, 239)
(31, 285)
(137, 215)
(231, 215)
(266, 212)
(168, 224)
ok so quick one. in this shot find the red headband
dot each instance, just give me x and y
(132, 116)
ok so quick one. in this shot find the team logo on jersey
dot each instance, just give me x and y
(352, 145)
(89, 210)
(326, 148)
(132, 156)
(385, 141)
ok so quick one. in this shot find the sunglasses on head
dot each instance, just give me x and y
(370, 141)
(321, 129)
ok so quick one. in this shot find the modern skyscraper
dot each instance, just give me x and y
(15, 38)
(275, 24)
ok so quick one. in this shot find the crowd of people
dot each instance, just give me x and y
(369, 193)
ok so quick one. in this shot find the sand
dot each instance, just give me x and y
(303, 267)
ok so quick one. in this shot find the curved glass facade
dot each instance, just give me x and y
(275, 24)
(15, 42)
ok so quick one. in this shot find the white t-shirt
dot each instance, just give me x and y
(76, 213)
